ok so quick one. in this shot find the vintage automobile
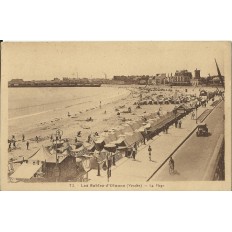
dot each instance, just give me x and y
(202, 130)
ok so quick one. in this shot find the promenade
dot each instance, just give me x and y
(195, 160)
(163, 145)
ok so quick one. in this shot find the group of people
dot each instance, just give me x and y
(12, 142)
(165, 129)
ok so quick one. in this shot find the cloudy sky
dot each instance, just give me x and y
(35, 61)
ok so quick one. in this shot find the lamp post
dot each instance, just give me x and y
(59, 133)
(196, 113)
(98, 166)
(108, 167)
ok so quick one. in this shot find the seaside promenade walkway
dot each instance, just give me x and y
(163, 145)
(194, 161)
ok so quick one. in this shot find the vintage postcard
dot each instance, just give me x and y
(116, 116)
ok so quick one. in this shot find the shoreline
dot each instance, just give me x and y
(43, 128)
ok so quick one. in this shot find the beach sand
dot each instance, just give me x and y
(40, 126)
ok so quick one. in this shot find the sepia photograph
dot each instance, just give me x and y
(116, 115)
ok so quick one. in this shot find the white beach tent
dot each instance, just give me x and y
(44, 155)
(26, 171)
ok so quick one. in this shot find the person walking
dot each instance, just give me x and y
(180, 123)
(176, 123)
(136, 148)
(23, 137)
(144, 140)
(27, 145)
(36, 139)
(149, 152)
(171, 165)
(193, 115)
(133, 153)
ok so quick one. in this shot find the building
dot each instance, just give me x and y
(197, 77)
(160, 79)
(182, 77)
(197, 74)
(15, 82)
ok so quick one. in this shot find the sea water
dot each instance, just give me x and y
(29, 102)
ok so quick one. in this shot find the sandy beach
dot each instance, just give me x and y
(45, 124)
(105, 116)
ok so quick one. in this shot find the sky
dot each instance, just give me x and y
(47, 60)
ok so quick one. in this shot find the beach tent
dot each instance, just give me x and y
(127, 128)
(120, 141)
(135, 125)
(111, 137)
(43, 154)
(118, 133)
(26, 171)
(99, 144)
(130, 140)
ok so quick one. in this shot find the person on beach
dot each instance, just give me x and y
(180, 123)
(36, 138)
(89, 138)
(51, 138)
(27, 145)
(149, 152)
(23, 137)
(79, 134)
(14, 144)
(100, 104)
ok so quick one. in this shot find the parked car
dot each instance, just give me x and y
(202, 130)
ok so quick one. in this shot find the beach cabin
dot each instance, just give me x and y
(43, 166)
